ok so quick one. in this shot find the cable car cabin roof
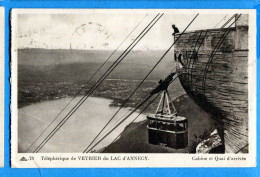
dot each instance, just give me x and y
(164, 118)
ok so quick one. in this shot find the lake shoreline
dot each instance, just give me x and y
(116, 90)
(86, 123)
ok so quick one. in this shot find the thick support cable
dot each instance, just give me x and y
(123, 121)
(160, 99)
(241, 149)
(86, 151)
(144, 97)
(192, 56)
(220, 21)
(215, 51)
(231, 18)
(65, 119)
(196, 54)
(140, 36)
(109, 133)
(142, 81)
(87, 82)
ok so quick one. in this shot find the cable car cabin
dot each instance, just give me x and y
(165, 127)
(171, 131)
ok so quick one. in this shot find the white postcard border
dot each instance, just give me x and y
(129, 159)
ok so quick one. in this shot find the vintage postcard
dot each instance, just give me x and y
(133, 88)
(1, 86)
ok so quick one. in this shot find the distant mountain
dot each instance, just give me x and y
(64, 56)
(40, 65)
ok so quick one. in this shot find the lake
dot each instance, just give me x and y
(76, 134)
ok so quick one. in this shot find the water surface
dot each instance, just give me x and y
(77, 132)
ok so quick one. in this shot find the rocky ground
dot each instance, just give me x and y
(135, 137)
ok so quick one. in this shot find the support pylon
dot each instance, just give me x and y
(165, 106)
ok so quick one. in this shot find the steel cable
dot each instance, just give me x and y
(86, 83)
(142, 81)
(140, 36)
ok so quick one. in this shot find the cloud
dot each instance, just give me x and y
(103, 31)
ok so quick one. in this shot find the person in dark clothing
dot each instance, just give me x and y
(180, 59)
(163, 84)
(175, 29)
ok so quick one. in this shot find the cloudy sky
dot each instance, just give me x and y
(104, 31)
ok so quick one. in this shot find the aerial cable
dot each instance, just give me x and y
(227, 22)
(140, 36)
(113, 67)
(87, 81)
(139, 85)
(212, 55)
(194, 49)
(122, 105)
(203, 40)
(223, 26)
(121, 121)
(205, 37)
(86, 151)
(220, 21)
(215, 51)
(146, 77)
(136, 116)
(144, 97)
(206, 34)
(91, 91)
(84, 97)
(134, 110)
(241, 148)
(196, 55)
(101, 131)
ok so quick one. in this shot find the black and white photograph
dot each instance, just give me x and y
(159, 83)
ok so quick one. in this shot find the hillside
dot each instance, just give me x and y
(41, 65)
(46, 57)
(52, 74)
(134, 139)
